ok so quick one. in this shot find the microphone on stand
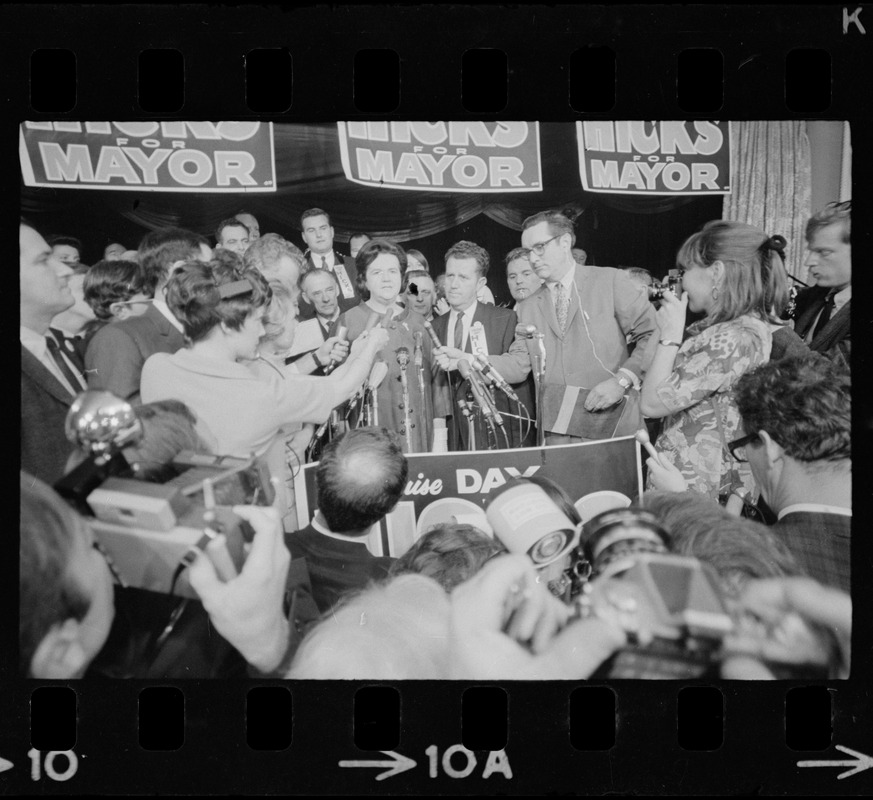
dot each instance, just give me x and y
(418, 357)
(480, 392)
(403, 361)
(484, 366)
(432, 333)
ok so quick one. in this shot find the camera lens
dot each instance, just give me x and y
(547, 547)
(620, 533)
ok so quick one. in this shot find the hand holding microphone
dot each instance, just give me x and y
(479, 392)
(337, 349)
(664, 475)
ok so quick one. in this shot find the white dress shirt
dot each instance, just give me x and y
(37, 347)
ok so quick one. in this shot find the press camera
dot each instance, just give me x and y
(618, 566)
(148, 527)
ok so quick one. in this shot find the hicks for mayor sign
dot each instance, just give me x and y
(443, 156)
(149, 156)
(655, 157)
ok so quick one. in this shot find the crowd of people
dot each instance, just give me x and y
(250, 346)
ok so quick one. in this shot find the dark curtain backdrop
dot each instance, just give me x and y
(613, 229)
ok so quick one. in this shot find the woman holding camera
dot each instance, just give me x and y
(731, 273)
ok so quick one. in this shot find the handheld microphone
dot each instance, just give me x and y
(419, 356)
(485, 367)
(479, 392)
(526, 331)
(386, 318)
(377, 374)
(432, 333)
(342, 333)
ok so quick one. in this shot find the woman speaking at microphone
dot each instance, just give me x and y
(241, 403)
(380, 265)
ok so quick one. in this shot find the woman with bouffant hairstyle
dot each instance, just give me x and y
(242, 405)
(732, 273)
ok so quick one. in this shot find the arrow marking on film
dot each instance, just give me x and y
(859, 763)
(4, 764)
(397, 764)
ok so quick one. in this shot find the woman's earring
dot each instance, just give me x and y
(715, 292)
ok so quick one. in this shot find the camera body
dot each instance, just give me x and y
(146, 528)
(672, 283)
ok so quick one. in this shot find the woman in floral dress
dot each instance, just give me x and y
(731, 272)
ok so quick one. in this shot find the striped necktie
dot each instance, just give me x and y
(562, 306)
(76, 381)
(459, 331)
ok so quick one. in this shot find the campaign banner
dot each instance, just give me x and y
(442, 487)
(655, 158)
(165, 156)
(443, 156)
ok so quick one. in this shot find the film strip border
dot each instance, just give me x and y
(339, 736)
(528, 62)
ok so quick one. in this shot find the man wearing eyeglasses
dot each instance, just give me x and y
(587, 316)
(797, 424)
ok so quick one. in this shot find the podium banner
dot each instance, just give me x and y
(446, 486)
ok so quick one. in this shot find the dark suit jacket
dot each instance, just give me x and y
(821, 543)
(44, 406)
(834, 340)
(499, 326)
(345, 303)
(117, 352)
(335, 567)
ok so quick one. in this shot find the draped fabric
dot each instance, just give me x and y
(770, 178)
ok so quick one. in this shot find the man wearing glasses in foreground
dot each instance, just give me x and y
(587, 316)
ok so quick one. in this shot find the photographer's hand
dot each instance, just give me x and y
(504, 625)
(784, 607)
(247, 610)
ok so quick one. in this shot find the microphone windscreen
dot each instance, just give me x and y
(464, 367)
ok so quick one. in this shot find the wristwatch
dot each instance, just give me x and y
(623, 381)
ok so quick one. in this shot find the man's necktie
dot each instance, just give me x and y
(826, 311)
(78, 384)
(68, 344)
(562, 306)
(324, 262)
(459, 331)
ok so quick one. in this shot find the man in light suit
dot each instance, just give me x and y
(49, 380)
(116, 354)
(317, 232)
(472, 327)
(587, 316)
(797, 437)
(823, 311)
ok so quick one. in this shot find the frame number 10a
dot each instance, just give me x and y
(456, 762)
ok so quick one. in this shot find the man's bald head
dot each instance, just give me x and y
(360, 478)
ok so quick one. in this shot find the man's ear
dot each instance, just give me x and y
(119, 310)
(59, 656)
(481, 282)
(773, 450)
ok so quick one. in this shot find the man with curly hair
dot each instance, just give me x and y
(797, 424)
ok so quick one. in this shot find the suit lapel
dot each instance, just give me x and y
(547, 309)
(575, 294)
(835, 326)
(32, 367)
